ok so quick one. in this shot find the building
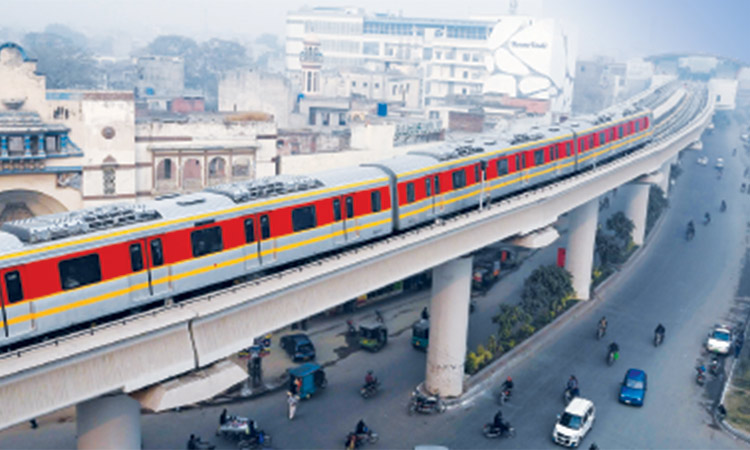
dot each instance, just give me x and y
(246, 90)
(521, 57)
(61, 149)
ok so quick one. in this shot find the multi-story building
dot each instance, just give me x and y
(521, 57)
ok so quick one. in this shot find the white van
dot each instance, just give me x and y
(574, 423)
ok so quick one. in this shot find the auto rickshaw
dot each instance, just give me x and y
(312, 378)
(373, 336)
(420, 334)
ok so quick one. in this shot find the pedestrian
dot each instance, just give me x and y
(379, 316)
(33, 423)
(425, 313)
(292, 400)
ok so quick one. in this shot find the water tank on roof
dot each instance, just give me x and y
(382, 109)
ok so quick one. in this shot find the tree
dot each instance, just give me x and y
(656, 205)
(608, 249)
(65, 64)
(545, 286)
(269, 40)
(622, 227)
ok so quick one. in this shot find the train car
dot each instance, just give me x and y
(71, 268)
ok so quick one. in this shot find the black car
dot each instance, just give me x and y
(299, 347)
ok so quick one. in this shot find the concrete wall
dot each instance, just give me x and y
(253, 90)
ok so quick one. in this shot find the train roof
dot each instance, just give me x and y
(405, 163)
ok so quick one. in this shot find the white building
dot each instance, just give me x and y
(522, 57)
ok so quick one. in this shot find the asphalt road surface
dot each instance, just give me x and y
(688, 286)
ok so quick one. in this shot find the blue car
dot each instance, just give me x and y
(633, 389)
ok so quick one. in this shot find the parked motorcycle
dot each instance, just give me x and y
(426, 404)
(491, 431)
(714, 367)
(368, 390)
(354, 440)
(257, 442)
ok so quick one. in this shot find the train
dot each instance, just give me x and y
(61, 271)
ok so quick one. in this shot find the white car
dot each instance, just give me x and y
(719, 163)
(703, 160)
(575, 422)
(719, 340)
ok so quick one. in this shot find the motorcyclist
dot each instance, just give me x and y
(223, 417)
(707, 217)
(660, 330)
(508, 384)
(603, 323)
(614, 349)
(192, 444)
(361, 427)
(723, 206)
(573, 386)
(497, 422)
(370, 379)
(691, 226)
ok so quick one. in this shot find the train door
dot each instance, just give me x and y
(521, 165)
(439, 204)
(351, 229)
(429, 194)
(140, 278)
(338, 227)
(159, 272)
(252, 244)
(15, 311)
(267, 244)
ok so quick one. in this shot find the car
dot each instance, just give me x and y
(719, 163)
(574, 423)
(633, 389)
(719, 340)
(703, 160)
(298, 347)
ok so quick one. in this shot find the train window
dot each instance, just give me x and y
(519, 161)
(502, 167)
(157, 255)
(591, 142)
(476, 174)
(13, 286)
(620, 130)
(567, 149)
(265, 227)
(303, 218)
(375, 201)
(249, 230)
(556, 151)
(637, 127)
(349, 207)
(336, 210)
(437, 184)
(459, 179)
(428, 187)
(206, 241)
(136, 257)
(81, 271)
(410, 195)
(602, 138)
(539, 157)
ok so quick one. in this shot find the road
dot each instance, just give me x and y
(687, 286)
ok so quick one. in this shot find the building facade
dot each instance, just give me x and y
(61, 149)
(521, 57)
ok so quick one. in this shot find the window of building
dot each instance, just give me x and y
(325, 118)
(164, 170)
(539, 157)
(249, 230)
(426, 53)
(81, 271)
(466, 57)
(13, 286)
(438, 55)
(371, 48)
(265, 227)
(109, 180)
(459, 179)
(206, 241)
(136, 257)
(303, 218)
(349, 207)
(428, 187)
(410, 195)
(50, 144)
(336, 210)
(502, 167)
(475, 57)
(157, 255)
(342, 118)
(466, 75)
(364, 84)
(375, 201)
(395, 88)
(463, 91)
(377, 85)
(354, 84)
(15, 144)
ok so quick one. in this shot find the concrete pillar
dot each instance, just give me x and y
(449, 322)
(666, 171)
(579, 258)
(636, 208)
(112, 421)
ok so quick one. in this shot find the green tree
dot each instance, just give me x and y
(622, 227)
(543, 287)
(657, 203)
(65, 64)
(608, 249)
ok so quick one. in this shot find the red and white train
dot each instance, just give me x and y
(61, 270)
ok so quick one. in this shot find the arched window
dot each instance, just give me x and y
(191, 174)
(217, 170)
(109, 180)
(164, 170)
(241, 169)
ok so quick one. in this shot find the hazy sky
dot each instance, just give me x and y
(619, 28)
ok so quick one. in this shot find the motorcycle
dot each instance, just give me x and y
(350, 328)
(700, 376)
(723, 206)
(611, 357)
(491, 431)
(426, 404)
(354, 440)
(259, 441)
(706, 219)
(658, 339)
(368, 390)
(504, 395)
(600, 331)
